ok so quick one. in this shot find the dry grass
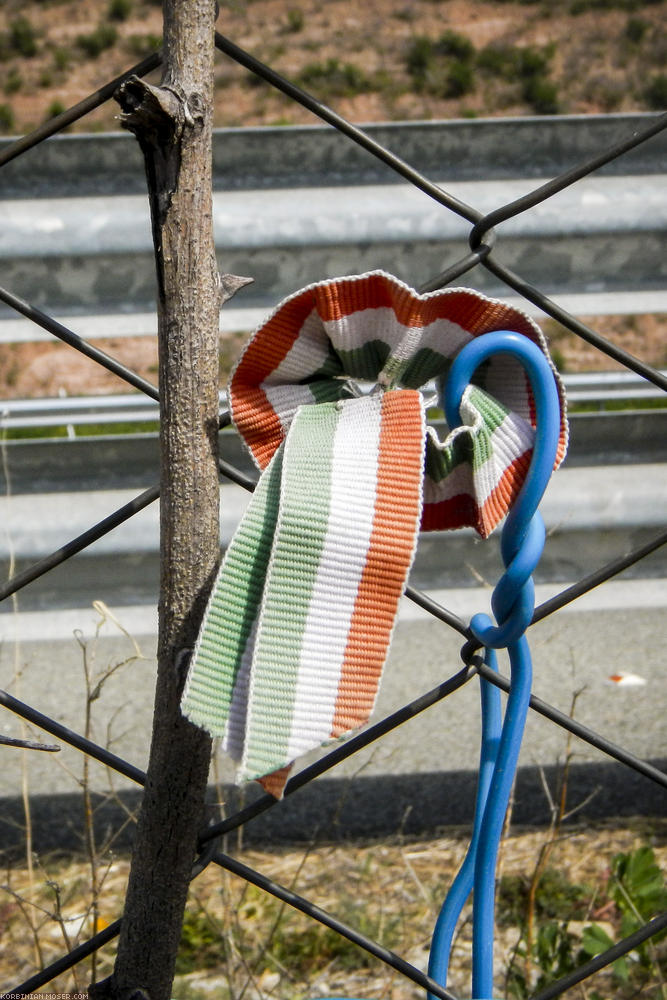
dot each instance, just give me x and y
(239, 942)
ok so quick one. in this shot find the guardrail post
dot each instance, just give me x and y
(173, 125)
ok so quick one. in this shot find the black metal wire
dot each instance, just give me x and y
(79, 543)
(557, 312)
(480, 222)
(342, 752)
(72, 738)
(78, 343)
(584, 733)
(389, 958)
(604, 959)
(73, 114)
(65, 963)
(331, 117)
(599, 576)
(564, 180)
(460, 268)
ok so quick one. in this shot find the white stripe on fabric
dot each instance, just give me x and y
(455, 337)
(351, 514)
(509, 441)
(286, 400)
(359, 328)
(458, 481)
(235, 730)
(306, 355)
(381, 323)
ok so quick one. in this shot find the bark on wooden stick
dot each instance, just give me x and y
(173, 125)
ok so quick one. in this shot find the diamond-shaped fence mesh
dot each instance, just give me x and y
(485, 250)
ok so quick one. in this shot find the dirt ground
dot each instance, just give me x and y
(601, 56)
(44, 369)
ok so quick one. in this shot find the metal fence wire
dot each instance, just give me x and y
(485, 250)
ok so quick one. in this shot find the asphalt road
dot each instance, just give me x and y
(576, 650)
(426, 769)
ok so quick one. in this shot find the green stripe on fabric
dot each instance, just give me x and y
(475, 447)
(329, 391)
(233, 607)
(425, 365)
(328, 369)
(366, 361)
(297, 550)
(492, 412)
(440, 462)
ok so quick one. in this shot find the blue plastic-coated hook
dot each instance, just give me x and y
(461, 887)
(494, 817)
(513, 605)
(545, 448)
(547, 410)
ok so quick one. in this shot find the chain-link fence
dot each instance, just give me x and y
(485, 250)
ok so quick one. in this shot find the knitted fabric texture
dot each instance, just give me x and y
(298, 625)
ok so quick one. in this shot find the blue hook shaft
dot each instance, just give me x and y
(513, 605)
(461, 887)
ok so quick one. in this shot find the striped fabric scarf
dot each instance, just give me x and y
(298, 625)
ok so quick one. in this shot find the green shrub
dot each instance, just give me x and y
(542, 95)
(61, 59)
(581, 6)
(455, 45)
(13, 82)
(144, 45)
(22, 37)
(55, 108)
(637, 888)
(498, 60)
(635, 29)
(94, 44)
(6, 118)
(460, 79)
(532, 62)
(119, 10)
(201, 947)
(444, 66)
(655, 93)
(556, 898)
(335, 79)
(419, 57)
(295, 20)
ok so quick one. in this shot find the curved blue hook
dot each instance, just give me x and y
(521, 526)
(547, 411)
(513, 605)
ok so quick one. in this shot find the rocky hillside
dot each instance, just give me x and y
(380, 60)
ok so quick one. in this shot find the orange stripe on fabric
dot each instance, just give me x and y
(253, 414)
(257, 421)
(390, 552)
(503, 495)
(275, 782)
(476, 315)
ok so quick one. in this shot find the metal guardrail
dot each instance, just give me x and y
(129, 408)
(293, 205)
